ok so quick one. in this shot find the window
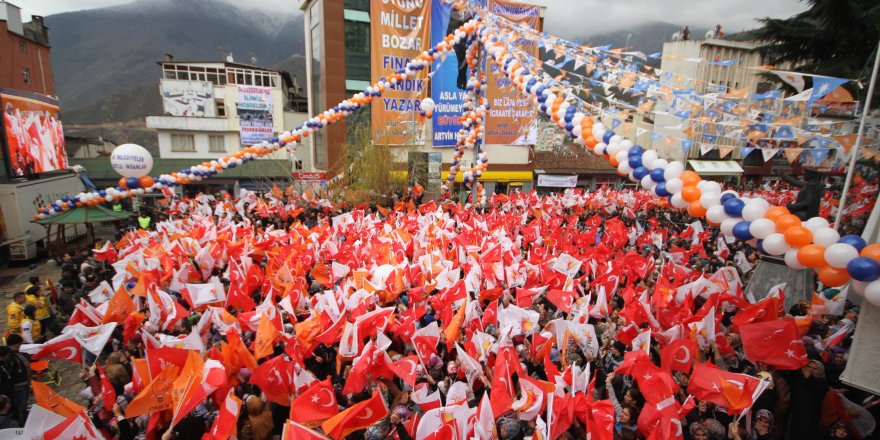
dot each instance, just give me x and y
(182, 143)
(320, 147)
(26, 75)
(22, 45)
(357, 50)
(216, 144)
(297, 164)
(221, 109)
(315, 36)
(357, 5)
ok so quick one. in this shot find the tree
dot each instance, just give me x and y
(832, 37)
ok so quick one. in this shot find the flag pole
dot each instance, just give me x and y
(855, 151)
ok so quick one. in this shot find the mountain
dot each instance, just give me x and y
(104, 59)
(647, 38)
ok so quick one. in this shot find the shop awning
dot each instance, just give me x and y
(85, 214)
(496, 176)
(716, 167)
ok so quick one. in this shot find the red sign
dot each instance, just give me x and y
(310, 177)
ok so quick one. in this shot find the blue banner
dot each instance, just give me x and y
(447, 97)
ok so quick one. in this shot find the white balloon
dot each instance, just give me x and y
(648, 158)
(762, 228)
(616, 139)
(816, 223)
(753, 211)
(716, 214)
(762, 202)
(872, 293)
(624, 168)
(662, 164)
(776, 245)
(674, 185)
(839, 254)
(621, 157)
(577, 131)
(728, 224)
(673, 171)
(131, 160)
(648, 183)
(598, 149)
(678, 202)
(427, 105)
(614, 150)
(825, 236)
(711, 187)
(791, 259)
(708, 200)
(626, 144)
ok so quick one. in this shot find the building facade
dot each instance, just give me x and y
(338, 66)
(25, 63)
(204, 118)
(690, 59)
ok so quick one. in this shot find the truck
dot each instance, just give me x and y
(21, 239)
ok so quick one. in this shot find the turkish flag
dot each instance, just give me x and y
(765, 310)
(730, 390)
(295, 431)
(562, 299)
(776, 343)
(316, 403)
(226, 422)
(275, 378)
(61, 347)
(406, 369)
(679, 355)
(108, 393)
(358, 416)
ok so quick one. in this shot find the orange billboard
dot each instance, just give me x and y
(512, 119)
(399, 31)
(33, 135)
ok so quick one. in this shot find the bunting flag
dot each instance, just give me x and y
(823, 85)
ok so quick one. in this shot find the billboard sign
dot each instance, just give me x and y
(33, 138)
(399, 33)
(188, 98)
(512, 119)
(255, 114)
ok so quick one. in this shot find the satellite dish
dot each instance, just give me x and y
(229, 58)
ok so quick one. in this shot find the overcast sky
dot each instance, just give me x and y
(565, 18)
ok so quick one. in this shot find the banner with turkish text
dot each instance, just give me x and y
(399, 32)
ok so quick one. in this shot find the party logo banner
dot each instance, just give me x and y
(399, 31)
(512, 119)
(254, 114)
(188, 98)
(447, 96)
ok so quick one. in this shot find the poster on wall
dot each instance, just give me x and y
(448, 82)
(255, 114)
(512, 119)
(188, 98)
(399, 32)
(32, 133)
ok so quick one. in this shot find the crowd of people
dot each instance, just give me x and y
(603, 315)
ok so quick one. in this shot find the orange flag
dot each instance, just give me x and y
(453, 330)
(154, 397)
(267, 336)
(119, 307)
(49, 399)
(359, 416)
(187, 385)
(321, 274)
(307, 330)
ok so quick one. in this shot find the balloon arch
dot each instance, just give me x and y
(812, 244)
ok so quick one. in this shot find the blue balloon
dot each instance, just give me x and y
(741, 231)
(607, 136)
(640, 172)
(636, 150)
(760, 246)
(635, 161)
(660, 189)
(733, 206)
(854, 241)
(863, 269)
(657, 175)
(726, 196)
(130, 284)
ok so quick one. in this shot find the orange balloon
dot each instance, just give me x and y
(696, 209)
(786, 221)
(690, 178)
(871, 251)
(812, 255)
(775, 212)
(590, 141)
(832, 276)
(613, 161)
(122, 183)
(798, 236)
(146, 182)
(691, 194)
